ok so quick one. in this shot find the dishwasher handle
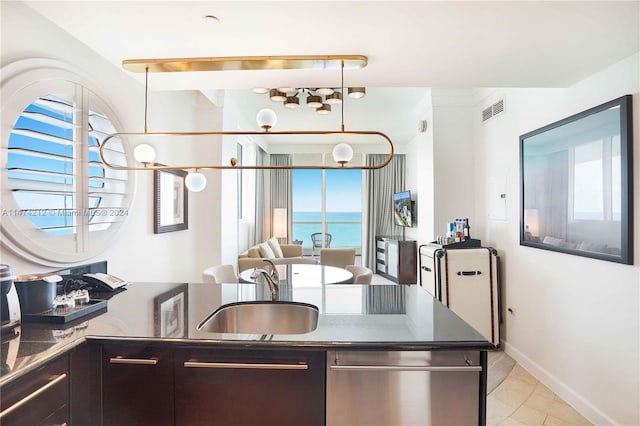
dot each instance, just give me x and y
(434, 368)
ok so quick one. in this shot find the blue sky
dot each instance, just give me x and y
(344, 189)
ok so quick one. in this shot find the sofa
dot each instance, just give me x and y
(254, 256)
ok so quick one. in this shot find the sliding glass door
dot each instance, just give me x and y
(328, 202)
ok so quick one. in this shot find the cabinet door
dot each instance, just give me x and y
(38, 398)
(392, 259)
(249, 387)
(137, 382)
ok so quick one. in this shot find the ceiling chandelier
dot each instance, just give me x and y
(145, 154)
(291, 96)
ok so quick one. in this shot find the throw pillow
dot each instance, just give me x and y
(265, 251)
(254, 253)
(275, 247)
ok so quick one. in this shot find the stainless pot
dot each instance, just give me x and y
(36, 292)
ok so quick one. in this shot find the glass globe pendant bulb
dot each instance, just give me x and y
(342, 153)
(144, 153)
(266, 118)
(195, 181)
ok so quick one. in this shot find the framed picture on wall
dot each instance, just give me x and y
(577, 184)
(170, 201)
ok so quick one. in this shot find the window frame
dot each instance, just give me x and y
(23, 82)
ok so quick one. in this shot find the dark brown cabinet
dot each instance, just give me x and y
(396, 259)
(137, 384)
(249, 387)
(38, 398)
(145, 383)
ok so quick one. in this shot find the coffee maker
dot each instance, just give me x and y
(9, 302)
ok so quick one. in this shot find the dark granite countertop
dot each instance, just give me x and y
(385, 317)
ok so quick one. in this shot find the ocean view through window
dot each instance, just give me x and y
(332, 201)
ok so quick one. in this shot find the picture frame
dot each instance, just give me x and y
(171, 312)
(576, 184)
(171, 203)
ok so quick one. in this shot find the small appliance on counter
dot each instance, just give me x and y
(37, 292)
(10, 304)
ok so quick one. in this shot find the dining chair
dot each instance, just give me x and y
(340, 257)
(319, 241)
(219, 274)
(361, 275)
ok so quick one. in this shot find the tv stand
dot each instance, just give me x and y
(396, 259)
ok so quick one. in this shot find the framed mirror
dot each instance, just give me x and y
(576, 192)
(170, 201)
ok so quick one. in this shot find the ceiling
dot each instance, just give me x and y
(448, 44)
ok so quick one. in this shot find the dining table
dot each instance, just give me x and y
(298, 274)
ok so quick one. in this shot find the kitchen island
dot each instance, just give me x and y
(395, 349)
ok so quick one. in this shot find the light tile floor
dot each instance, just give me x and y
(522, 400)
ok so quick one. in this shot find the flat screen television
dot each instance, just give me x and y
(402, 208)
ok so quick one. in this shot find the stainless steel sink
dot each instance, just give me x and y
(262, 317)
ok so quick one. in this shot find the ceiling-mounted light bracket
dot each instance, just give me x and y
(246, 63)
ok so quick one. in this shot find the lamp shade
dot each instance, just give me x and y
(277, 96)
(324, 109)
(324, 91)
(280, 222)
(531, 222)
(292, 102)
(144, 153)
(342, 153)
(334, 98)
(195, 181)
(357, 92)
(314, 101)
(266, 118)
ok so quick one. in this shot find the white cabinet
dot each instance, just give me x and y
(467, 281)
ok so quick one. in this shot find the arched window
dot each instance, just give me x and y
(59, 203)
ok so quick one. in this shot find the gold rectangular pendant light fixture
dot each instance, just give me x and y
(246, 63)
(239, 63)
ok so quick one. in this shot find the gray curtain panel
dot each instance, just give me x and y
(262, 228)
(380, 185)
(280, 188)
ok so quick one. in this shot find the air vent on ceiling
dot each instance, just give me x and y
(493, 110)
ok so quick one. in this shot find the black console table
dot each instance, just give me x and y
(396, 259)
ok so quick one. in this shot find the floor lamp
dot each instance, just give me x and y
(280, 224)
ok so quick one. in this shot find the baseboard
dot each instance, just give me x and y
(581, 405)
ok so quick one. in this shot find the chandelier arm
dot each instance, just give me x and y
(247, 133)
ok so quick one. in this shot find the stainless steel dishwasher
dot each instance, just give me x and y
(405, 388)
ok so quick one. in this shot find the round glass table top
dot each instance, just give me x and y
(303, 275)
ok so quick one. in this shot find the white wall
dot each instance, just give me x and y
(453, 160)
(137, 254)
(419, 176)
(576, 325)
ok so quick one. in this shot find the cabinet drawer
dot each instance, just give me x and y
(137, 384)
(40, 397)
(249, 387)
